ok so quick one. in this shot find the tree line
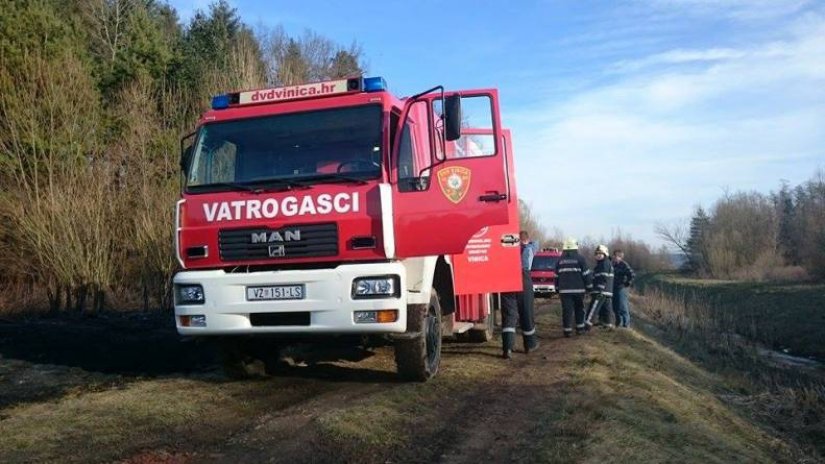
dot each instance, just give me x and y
(642, 256)
(94, 97)
(755, 236)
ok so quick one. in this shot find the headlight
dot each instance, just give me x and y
(189, 294)
(372, 287)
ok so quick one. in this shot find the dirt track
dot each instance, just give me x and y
(126, 389)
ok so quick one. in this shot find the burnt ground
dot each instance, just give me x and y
(127, 388)
(45, 357)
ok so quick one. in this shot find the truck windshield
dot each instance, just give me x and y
(544, 263)
(291, 149)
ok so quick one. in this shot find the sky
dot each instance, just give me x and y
(625, 114)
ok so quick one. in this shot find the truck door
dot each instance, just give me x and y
(443, 192)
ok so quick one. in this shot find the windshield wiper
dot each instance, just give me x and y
(269, 185)
(231, 185)
(333, 177)
(260, 186)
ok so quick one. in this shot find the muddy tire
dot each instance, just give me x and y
(238, 361)
(418, 358)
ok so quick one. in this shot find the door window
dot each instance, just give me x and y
(477, 131)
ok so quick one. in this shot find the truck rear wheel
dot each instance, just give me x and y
(418, 358)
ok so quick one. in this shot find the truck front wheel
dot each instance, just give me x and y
(418, 357)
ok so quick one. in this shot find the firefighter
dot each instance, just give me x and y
(517, 307)
(573, 279)
(623, 276)
(602, 289)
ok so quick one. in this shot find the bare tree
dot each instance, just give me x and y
(675, 235)
(107, 21)
(311, 57)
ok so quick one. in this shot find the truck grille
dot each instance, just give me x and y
(298, 241)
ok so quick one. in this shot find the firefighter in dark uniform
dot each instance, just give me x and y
(517, 307)
(573, 280)
(602, 289)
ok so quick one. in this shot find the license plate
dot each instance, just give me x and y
(275, 292)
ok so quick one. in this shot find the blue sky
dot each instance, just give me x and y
(624, 113)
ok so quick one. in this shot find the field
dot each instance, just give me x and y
(786, 317)
(124, 389)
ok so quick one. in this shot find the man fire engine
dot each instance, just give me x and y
(337, 211)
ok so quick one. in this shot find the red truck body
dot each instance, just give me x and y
(337, 208)
(543, 272)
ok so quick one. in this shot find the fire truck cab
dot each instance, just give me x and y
(334, 210)
(543, 272)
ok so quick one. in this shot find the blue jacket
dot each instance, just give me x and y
(528, 252)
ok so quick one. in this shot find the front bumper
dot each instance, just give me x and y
(327, 299)
(544, 289)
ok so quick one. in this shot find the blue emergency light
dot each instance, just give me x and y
(220, 102)
(374, 84)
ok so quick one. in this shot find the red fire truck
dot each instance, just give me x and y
(336, 210)
(543, 272)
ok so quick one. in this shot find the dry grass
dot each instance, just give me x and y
(610, 396)
(112, 424)
(787, 398)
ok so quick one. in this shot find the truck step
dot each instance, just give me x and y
(461, 327)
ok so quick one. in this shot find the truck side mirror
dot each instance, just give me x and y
(185, 159)
(186, 152)
(452, 118)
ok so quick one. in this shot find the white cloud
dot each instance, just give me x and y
(673, 130)
(745, 10)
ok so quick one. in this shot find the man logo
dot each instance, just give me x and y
(276, 251)
(276, 236)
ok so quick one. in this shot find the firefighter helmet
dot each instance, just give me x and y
(570, 244)
(601, 249)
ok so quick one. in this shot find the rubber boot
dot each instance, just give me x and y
(508, 341)
(530, 343)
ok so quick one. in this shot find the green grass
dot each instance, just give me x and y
(780, 315)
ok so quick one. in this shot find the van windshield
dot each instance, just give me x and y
(544, 263)
(309, 147)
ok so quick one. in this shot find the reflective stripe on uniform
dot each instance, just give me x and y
(575, 290)
(579, 326)
(606, 274)
(508, 330)
(568, 329)
(570, 269)
(529, 332)
(586, 272)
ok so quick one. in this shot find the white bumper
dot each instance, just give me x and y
(327, 299)
(544, 288)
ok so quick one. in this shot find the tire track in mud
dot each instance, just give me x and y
(498, 420)
(491, 420)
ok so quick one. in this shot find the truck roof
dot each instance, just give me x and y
(346, 91)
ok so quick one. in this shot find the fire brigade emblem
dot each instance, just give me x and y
(454, 182)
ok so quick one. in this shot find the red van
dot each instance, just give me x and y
(543, 272)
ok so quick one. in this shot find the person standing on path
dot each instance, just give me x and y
(623, 276)
(602, 293)
(517, 307)
(573, 280)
